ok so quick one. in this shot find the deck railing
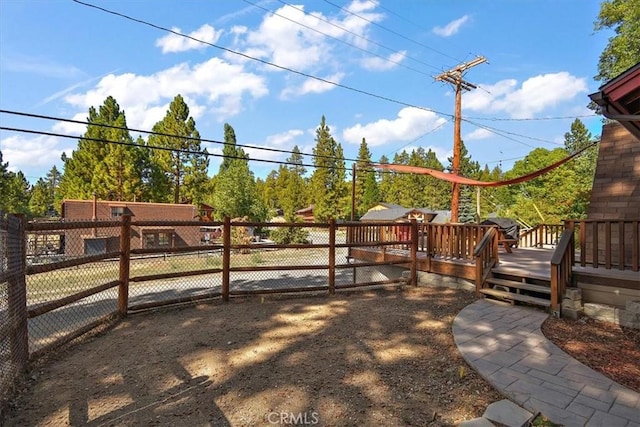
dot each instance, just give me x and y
(540, 235)
(451, 241)
(486, 256)
(561, 269)
(607, 243)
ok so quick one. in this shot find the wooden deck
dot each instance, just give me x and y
(536, 262)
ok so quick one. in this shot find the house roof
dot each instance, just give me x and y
(390, 205)
(308, 209)
(393, 214)
(619, 99)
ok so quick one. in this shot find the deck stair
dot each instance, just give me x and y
(518, 288)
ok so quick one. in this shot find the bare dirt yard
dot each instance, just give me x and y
(611, 349)
(384, 357)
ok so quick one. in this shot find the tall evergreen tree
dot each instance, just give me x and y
(235, 194)
(182, 169)
(230, 151)
(103, 163)
(15, 190)
(367, 191)
(584, 165)
(328, 188)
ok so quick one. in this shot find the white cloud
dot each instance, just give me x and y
(375, 63)
(452, 27)
(311, 86)
(534, 96)
(175, 43)
(294, 39)
(31, 155)
(477, 134)
(214, 85)
(284, 138)
(410, 124)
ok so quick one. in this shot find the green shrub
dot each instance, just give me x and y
(286, 235)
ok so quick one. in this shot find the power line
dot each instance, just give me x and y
(500, 131)
(509, 119)
(263, 61)
(155, 147)
(360, 37)
(350, 88)
(104, 125)
(420, 137)
(392, 31)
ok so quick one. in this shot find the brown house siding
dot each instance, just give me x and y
(77, 242)
(616, 187)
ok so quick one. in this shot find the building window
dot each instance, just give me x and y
(157, 239)
(117, 211)
(164, 239)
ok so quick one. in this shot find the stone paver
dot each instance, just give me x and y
(522, 364)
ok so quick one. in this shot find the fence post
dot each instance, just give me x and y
(226, 257)
(125, 259)
(332, 256)
(17, 290)
(414, 252)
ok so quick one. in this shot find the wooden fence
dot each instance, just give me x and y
(116, 276)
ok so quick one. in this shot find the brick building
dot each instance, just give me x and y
(104, 240)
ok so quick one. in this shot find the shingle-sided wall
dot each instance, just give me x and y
(616, 186)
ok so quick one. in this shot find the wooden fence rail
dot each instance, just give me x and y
(390, 236)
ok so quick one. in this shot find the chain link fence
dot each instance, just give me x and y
(13, 351)
(60, 280)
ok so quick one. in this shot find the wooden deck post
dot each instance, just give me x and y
(125, 261)
(226, 257)
(17, 290)
(414, 252)
(332, 256)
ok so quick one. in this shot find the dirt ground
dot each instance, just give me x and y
(611, 349)
(383, 357)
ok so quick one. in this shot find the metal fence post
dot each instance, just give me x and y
(332, 256)
(125, 262)
(17, 290)
(226, 257)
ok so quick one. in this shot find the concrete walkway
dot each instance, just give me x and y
(505, 345)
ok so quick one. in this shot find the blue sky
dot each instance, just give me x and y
(59, 57)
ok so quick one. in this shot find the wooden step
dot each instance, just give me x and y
(516, 297)
(519, 285)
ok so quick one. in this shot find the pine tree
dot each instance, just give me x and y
(367, 191)
(327, 185)
(15, 190)
(183, 168)
(235, 193)
(104, 163)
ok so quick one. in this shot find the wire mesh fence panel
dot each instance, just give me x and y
(174, 262)
(72, 279)
(13, 351)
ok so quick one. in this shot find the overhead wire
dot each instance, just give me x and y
(360, 36)
(263, 61)
(108, 126)
(343, 86)
(392, 31)
(336, 38)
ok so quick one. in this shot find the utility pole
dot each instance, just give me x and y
(454, 77)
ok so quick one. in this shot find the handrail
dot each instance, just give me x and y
(561, 269)
(488, 235)
(486, 256)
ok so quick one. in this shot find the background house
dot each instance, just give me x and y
(102, 240)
